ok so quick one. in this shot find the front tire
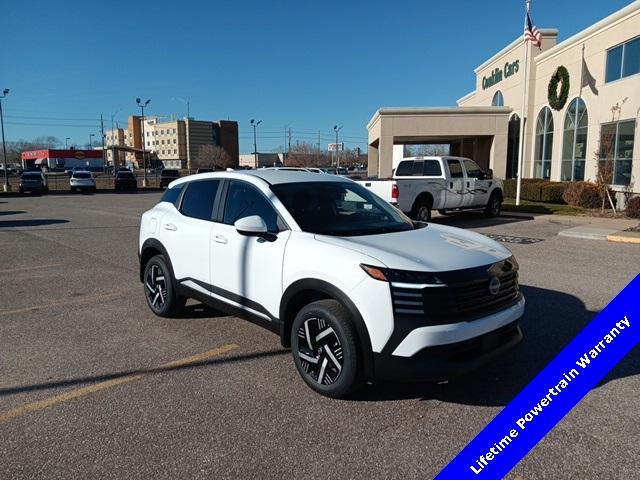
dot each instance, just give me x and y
(323, 343)
(160, 292)
(494, 206)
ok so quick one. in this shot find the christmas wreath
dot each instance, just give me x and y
(557, 101)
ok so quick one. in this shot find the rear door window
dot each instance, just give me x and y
(198, 199)
(455, 168)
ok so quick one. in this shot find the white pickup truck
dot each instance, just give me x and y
(423, 184)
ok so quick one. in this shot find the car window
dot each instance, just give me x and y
(30, 176)
(472, 168)
(244, 200)
(81, 175)
(417, 168)
(455, 168)
(171, 195)
(170, 173)
(432, 168)
(197, 201)
(405, 168)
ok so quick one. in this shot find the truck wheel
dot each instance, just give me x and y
(422, 211)
(323, 344)
(494, 205)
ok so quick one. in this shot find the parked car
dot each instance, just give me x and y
(167, 176)
(423, 184)
(125, 180)
(33, 181)
(355, 288)
(82, 180)
(120, 169)
(204, 170)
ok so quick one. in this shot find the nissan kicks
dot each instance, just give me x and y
(355, 289)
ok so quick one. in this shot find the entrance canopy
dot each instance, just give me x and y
(479, 133)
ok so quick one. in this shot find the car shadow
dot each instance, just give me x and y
(31, 223)
(476, 220)
(200, 310)
(552, 319)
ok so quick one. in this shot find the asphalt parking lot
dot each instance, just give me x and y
(92, 385)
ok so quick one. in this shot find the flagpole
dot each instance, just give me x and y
(524, 108)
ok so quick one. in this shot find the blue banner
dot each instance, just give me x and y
(553, 393)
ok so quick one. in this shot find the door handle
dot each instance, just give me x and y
(170, 226)
(220, 239)
(451, 185)
(467, 184)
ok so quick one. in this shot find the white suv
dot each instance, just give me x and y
(356, 289)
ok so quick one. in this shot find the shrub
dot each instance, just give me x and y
(582, 194)
(530, 189)
(633, 208)
(552, 192)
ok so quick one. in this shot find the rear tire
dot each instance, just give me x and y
(422, 210)
(325, 352)
(494, 205)
(159, 288)
(442, 211)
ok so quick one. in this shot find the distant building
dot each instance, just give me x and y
(248, 160)
(49, 159)
(175, 143)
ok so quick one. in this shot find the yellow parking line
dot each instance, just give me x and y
(67, 301)
(97, 387)
(35, 267)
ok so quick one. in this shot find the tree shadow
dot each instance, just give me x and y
(551, 320)
(12, 212)
(31, 223)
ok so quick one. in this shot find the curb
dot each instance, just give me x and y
(624, 237)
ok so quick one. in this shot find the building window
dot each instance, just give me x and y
(616, 143)
(498, 99)
(574, 142)
(623, 60)
(544, 144)
(174, 130)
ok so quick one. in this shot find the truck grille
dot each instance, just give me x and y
(464, 295)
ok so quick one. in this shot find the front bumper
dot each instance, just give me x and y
(448, 361)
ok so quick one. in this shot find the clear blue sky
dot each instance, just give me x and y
(305, 64)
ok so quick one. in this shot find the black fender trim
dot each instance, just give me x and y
(320, 286)
(156, 245)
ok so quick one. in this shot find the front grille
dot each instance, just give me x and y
(464, 295)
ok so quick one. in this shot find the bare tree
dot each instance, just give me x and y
(604, 157)
(212, 156)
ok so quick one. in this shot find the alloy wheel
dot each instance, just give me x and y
(156, 286)
(320, 351)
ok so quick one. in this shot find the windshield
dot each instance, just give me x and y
(339, 208)
(125, 175)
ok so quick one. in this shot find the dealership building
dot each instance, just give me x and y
(562, 138)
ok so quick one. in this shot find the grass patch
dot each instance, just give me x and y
(526, 206)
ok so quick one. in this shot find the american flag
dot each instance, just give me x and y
(532, 34)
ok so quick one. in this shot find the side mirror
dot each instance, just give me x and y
(252, 226)
(489, 174)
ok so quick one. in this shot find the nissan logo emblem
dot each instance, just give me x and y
(494, 286)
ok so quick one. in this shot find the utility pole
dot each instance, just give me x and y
(144, 157)
(91, 135)
(7, 188)
(289, 150)
(66, 143)
(104, 160)
(255, 124)
(337, 129)
(318, 151)
(113, 150)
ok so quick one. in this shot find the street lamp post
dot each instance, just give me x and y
(144, 157)
(337, 129)
(113, 151)
(255, 124)
(91, 135)
(6, 187)
(66, 143)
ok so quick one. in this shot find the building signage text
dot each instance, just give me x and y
(498, 74)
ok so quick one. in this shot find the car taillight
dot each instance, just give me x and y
(395, 192)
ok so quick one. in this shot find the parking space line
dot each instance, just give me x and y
(97, 387)
(66, 302)
(35, 267)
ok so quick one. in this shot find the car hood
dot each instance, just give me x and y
(434, 248)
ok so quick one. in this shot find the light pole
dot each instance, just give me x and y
(255, 124)
(91, 135)
(144, 157)
(113, 151)
(66, 143)
(6, 187)
(337, 129)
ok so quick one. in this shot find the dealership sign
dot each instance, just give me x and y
(498, 74)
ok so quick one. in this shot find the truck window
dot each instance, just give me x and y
(455, 168)
(417, 169)
(472, 168)
(405, 168)
(432, 168)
